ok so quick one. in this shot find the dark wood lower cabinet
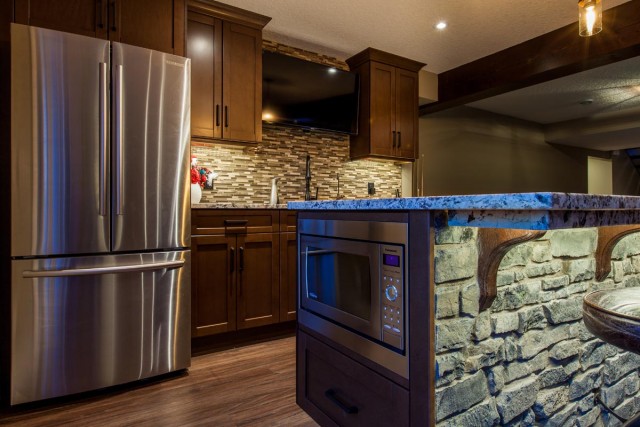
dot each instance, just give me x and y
(336, 390)
(258, 281)
(213, 290)
(243, 270)
(235, 282)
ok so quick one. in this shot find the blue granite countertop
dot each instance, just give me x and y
(535, 211)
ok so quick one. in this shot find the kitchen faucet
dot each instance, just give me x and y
(307, 178)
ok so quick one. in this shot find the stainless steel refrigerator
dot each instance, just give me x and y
(100, 213)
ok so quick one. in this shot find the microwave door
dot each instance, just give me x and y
(340, 281)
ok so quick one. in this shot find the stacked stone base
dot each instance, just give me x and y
(530, 360)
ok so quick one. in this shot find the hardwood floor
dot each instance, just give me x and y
(248, 386)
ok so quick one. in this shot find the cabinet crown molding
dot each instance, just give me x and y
(371, 54)
(229, 13)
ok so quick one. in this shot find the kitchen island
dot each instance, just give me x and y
(495, 309)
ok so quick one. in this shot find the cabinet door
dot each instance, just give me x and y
(406, 106)
(213, 291)
(204, 47)
(382, 117)
(242, 83)
(85, 17)
(153, 24)
(258, 279)
(288, 276)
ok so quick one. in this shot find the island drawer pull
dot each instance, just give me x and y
(346, 408)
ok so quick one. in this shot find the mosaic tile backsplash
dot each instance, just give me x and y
(245, 172)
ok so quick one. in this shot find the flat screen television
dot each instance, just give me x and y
(309, 95)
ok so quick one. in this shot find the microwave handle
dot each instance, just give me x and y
(320, 252)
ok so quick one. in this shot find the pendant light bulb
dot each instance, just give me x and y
(589, 17)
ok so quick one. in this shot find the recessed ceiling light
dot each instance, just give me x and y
(332, 70)
(441, 25)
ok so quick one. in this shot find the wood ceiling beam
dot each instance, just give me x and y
(552, 55)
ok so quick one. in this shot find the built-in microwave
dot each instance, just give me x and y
(353, 286)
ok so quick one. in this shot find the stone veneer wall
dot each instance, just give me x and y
(245, 172)
(530, 360)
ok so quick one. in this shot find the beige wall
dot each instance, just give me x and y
(468, 151)
(599, 172)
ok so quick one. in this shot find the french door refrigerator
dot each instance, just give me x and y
(100, 213)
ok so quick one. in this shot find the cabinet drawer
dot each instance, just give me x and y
(288, 221)
(232, 221)
(335, 389)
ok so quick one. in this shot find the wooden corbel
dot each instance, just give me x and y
(608, 237)
(493, 244)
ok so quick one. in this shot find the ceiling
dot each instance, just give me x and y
(476, 28)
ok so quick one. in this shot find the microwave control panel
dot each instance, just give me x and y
(392, 298)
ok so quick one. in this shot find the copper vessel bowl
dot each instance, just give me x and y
(614, 316)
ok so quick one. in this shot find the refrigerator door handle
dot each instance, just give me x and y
(119, 141)
(103, 270)
(103, 138)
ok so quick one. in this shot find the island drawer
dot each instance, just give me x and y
(337, 390)
(233, 221)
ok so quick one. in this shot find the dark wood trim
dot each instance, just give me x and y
(608, 237)
(493, 244)
(552, 55)
(229, 13)
(422, 381)
(371, 54)
(225, 341)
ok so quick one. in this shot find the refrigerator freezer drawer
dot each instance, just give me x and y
(85, 323)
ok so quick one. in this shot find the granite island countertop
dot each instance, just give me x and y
(237, 205)
(533, 211)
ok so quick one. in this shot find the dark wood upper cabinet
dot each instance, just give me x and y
(225, 47)
(85, 17)
(152, 24)
(388, 116)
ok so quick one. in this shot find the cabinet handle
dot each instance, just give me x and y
(226, 116)
(394, 138)
(100, 17)
(112, 15)
(232, 258)
(235, 222)
(346, 408)
(217, 115)
(399, 138)
(241, 260)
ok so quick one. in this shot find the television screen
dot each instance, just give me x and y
(306, 94)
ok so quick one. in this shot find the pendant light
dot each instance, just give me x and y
(590, 17)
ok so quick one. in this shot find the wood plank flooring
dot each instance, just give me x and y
(248, 386)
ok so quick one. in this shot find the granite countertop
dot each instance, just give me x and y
(533, 211)
(236, 205)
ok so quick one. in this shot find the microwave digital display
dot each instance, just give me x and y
(392, 260)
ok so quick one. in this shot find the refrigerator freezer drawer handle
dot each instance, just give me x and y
(104, 167)
(103, 270)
